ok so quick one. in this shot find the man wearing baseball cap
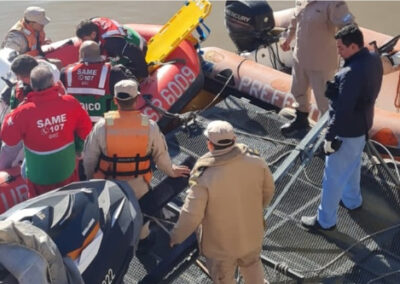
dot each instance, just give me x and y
(27, 35)
(230, 187)
(123, 142)
(94, 92)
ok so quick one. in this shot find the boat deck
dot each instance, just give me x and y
(364, 248)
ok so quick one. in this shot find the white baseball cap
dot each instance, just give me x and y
(36, 14)
(126, 90)
(220, 133)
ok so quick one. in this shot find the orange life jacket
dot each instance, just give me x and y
(30, 36)
(127, 137)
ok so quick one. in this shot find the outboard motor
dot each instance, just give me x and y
(249, 24)
(85, 232)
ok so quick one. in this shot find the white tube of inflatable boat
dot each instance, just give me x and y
(7, 55)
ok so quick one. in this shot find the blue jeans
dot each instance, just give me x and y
(341, 180)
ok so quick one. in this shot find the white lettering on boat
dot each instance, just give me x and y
(266, 93)
(18, 194)
(172, 91)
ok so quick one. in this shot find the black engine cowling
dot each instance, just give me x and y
(249, 23)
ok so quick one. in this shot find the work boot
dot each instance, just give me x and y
(311, 223)
(300, 122)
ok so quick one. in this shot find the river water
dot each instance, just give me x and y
(377, 15)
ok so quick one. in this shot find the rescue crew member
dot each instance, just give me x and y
(352, 94)
(52, 127)
(313, 27)
(22, 66)
(230, 187)
(116, 41)
(123, 142)
(27, 35)
(92, 80)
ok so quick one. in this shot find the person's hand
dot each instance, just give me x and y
(79, 156)
(286, 45)
(180, 171)
(332, 146)
(328, 147)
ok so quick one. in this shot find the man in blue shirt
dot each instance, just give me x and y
(352, 97)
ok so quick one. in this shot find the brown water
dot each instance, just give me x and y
(377, 15)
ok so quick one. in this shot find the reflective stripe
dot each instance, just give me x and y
(120, 29)
(95, 118)
(49, 152)
(26, 31)
(142, 41)
(86, 91)
(103, 76)
(110, 33)
(69, 76)
(347, 18)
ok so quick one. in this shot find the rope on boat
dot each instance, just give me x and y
(319, 270)
(383, 276)
(222, 89)
(390, 155)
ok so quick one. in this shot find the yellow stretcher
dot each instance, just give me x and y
(176, 29)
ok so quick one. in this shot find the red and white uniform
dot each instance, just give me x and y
(88, 78)
(49, 125)
(108, 28)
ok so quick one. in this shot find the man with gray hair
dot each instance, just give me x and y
(92, 80)
(52, 127)
(230, 187)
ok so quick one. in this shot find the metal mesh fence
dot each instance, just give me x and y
(354, 253)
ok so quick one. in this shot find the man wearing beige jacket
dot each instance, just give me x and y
(230, 187)
(313, 27)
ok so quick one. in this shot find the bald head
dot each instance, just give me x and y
(90, 52)
(41, 78)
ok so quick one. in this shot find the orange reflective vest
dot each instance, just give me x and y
(127, 137)
(30, 36)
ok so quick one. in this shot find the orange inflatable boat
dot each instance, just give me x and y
(268, 85)
(13, 189)
(171, 87)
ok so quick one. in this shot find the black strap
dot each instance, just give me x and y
(39, 46)
(115, 159)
